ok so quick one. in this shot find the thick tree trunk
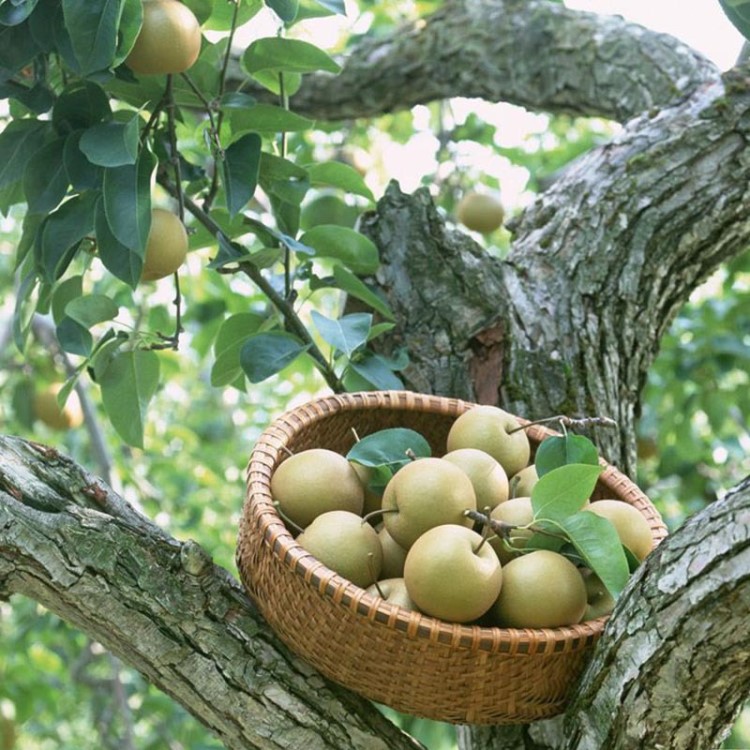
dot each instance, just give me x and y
(572, 320)
(69, 542)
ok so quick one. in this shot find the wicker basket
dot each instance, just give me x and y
(411, 662)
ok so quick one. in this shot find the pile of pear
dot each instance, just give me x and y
(415, 546)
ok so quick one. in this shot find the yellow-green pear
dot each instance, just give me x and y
(373, 499)
(523, 482)
(394, 555)
(541, 589)
(487, 476)
(599, 601)
(315, 481)
(493, 431)
(452, 574)
(425, 493)
(346, 544)
(393, 590)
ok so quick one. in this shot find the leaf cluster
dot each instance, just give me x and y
(88, 142)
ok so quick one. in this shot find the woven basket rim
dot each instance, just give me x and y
(259, 506)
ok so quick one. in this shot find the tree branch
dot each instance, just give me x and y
(600, 264)
(70, 543)
(534, 53)
(671, 669)
(675, 670)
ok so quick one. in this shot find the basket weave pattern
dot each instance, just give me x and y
(411, 662)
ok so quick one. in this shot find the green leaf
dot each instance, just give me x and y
(339, 175)
(111, 144)
(286, 184)
(45, 180)
(14, 12)
(222, 14)
(558, 450)
(91, 309)
(25, 308)
(738, 12)
(63, 293)
(347, 334)
(376, 371)
(82, 174)
(321, 9)
(92, 25)
(241, 166)
(563, 491)
(267, 118)
(61, 233)
(80, 105)
(353, 249)
(39, 98)
(598, 544)
(390, 447)
(349, 283)
(202, 9)
(19, 141)
(128, 383)
(128, 28)
(18, 48)
(234, 332)
(289, 83)
(265, 354)
(121, 261)
(279, 55)
(73, 337)
(127, 201)
(286, 214)
(286, 10)
(237, 100)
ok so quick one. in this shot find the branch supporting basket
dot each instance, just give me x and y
(411, 662)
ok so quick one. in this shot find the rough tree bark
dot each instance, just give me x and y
(569, 323)
(527, 52)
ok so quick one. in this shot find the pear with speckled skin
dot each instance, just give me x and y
(493, 431)
(346, 544)
(487, 476)
(541, 589)
(423, 494)
(315, 481)
(452, 574)
(393, 590)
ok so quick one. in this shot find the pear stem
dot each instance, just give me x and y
(288, 521)
(378, 512)
(501, 528)
(569, 422)
(485, 530)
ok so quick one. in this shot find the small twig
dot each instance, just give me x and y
(570, 422)
(175, 159)
(154, 118)
(216, 126)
